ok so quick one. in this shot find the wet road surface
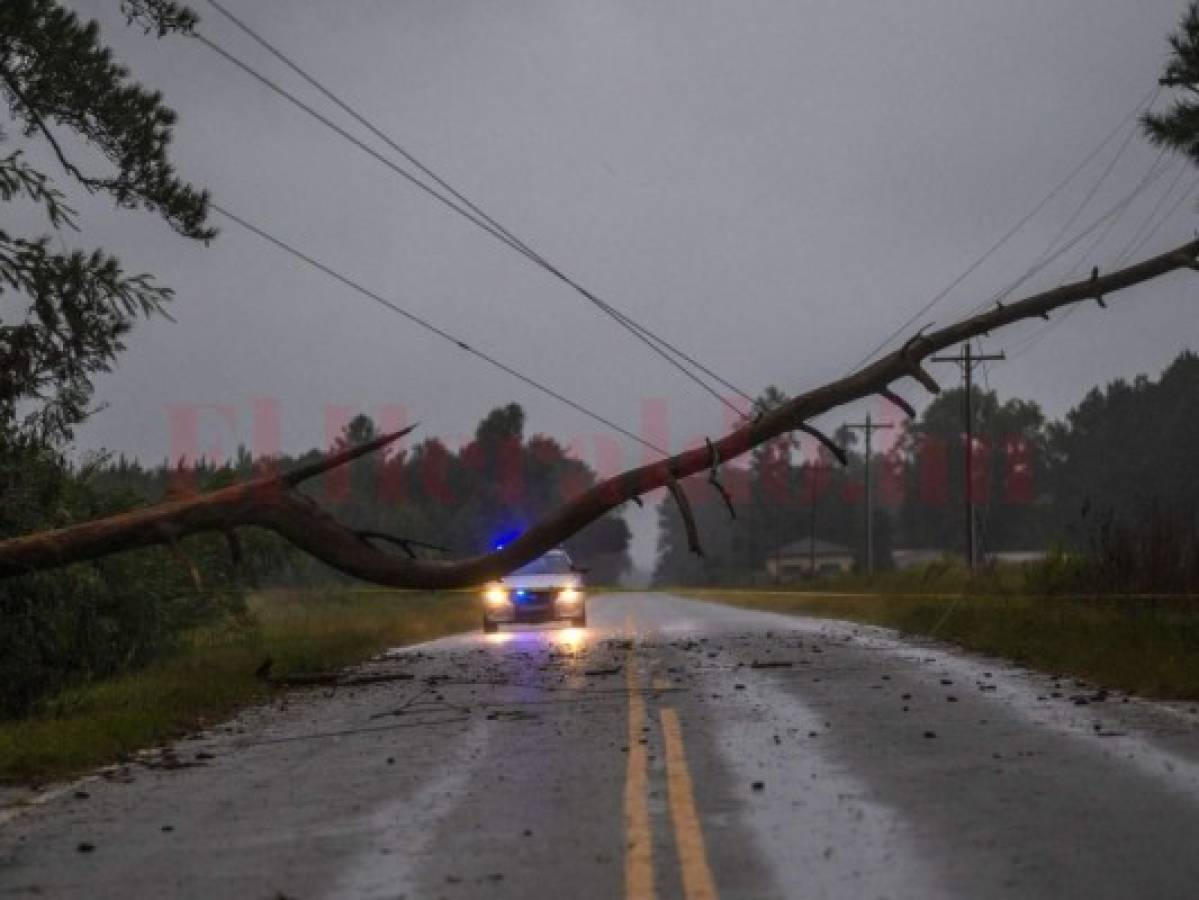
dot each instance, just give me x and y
(672, 749)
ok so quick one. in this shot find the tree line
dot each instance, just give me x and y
(1124, 453)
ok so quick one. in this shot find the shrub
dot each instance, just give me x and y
(1153, 552)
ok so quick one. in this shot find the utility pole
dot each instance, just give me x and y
(869, 427)
(813, 468)
(967, 359)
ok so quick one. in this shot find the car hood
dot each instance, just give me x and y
(540, 582)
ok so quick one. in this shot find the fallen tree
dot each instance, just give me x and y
(272, 502)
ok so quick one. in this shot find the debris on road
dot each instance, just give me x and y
(512, 715)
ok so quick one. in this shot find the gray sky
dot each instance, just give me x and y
(774, 186)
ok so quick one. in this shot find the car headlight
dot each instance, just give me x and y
(570, 595)
(495, 596)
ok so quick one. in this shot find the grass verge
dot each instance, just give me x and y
(1147, 646)
(213, 675)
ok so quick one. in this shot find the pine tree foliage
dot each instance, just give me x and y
(74, 308)
(1178, 127)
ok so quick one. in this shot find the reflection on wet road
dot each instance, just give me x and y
(673, 749)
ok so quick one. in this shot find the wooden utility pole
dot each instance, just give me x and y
(869, 428)
(967, 359)
(813, 468)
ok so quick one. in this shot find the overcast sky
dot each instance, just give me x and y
(774, 186)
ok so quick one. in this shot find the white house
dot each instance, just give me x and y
(793, 561)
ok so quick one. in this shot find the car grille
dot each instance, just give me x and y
(534, 599)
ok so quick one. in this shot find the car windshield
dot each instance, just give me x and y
(556, 562)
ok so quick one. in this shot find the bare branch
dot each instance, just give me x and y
(684, 505)
(187, 562)
(714, 479)
(1098, 296)
(405, 544)
(888, 394)
(829, 444)
(303, 473)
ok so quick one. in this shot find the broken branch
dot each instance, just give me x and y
(829, 444)
(714, 479)
(684, 505)
(405, 544)
(888, 394)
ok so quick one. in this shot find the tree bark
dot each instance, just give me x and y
(271, 501)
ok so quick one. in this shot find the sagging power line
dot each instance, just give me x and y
(464, 207)
(429, 326)
(1141, 105)
(1103, 224)
(1107, 223)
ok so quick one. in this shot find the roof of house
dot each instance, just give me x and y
(803, 548)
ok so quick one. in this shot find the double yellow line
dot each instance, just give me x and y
(689, 837)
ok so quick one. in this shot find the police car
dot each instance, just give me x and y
(548, 589)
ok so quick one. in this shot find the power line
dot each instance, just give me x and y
(1045, 257)
(1106, 222)
(429, 326)
(1028, 343)
(1011, 232)
(1142, 236)
(1154, 173)
(479, 216)
(1099, 182)
(464, 207)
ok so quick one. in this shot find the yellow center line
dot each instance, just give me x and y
(639, 851)
(688, 836)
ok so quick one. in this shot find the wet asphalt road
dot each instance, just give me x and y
(674, 748)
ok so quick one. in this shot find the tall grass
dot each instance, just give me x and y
(1154, 552)
(941, 577)
(213, 674)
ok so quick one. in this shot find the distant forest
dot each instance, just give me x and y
(447, 502)
(1124, 452)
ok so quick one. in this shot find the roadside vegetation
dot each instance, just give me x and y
(1077, 616)
(212, 673)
